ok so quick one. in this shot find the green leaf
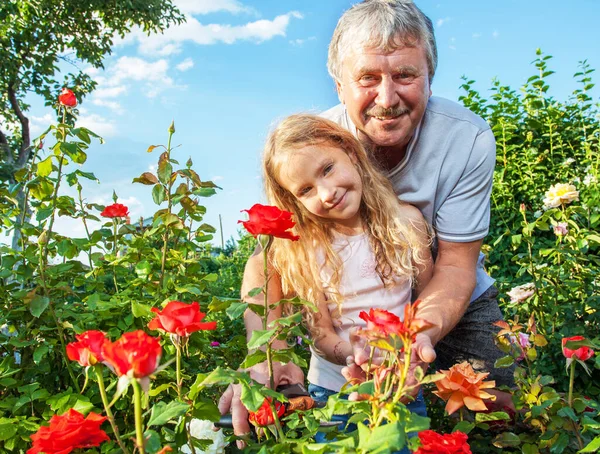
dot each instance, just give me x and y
(236, 310)
(143, 269)
(560, 444)
(38, 305)
(162, 413)
(390, 435)
(254, 358)
(494, 416)
(140, 310)
(146, 178)
(8, 428)
(206, 409)
(593, 446)
(260, 338)
(251, 397)
(505, 361)
(506, 440)
(165, 169)
(567, 412)
(44, 168)
(464, 426)
(255, 291)
(153, 442)
(158, 194)
(39, 353)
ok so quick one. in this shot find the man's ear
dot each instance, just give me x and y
(340, 91)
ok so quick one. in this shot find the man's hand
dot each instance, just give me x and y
(230, 400)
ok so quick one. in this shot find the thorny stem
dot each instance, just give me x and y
(115, 254)
(178, 366)
(87, 231)
(170, 204)
(109, 413)
(266, 318)
(571, 383)
(139, 428)
(44, 261)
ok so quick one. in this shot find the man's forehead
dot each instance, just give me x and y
(361, 58)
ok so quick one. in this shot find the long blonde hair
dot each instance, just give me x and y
(393, 239)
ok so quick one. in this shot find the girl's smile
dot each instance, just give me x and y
(325, 181)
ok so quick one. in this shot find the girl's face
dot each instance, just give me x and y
(325, 180)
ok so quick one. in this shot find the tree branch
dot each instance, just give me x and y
(4, 146)
(25, 148)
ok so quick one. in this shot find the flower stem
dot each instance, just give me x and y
(109, 413)
(115, 254)
(139, 428)
(571, 383)
(178, 367)
(266, 317)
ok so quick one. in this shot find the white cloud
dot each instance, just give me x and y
(98, 124)
(206, 34)
(441, 22)
(185, 64)
(210, 6)
(300, 42)
(37, 125)
(112, 105)
(217, 178)
(109, 92)
(495, 34)
(476, 35)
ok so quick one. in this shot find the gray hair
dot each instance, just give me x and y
(381, 24)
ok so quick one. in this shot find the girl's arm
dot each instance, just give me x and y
(423, 237)
(329, 344)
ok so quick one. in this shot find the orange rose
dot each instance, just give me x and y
(135, 354)
(264, 415)
(68, 432)
(180, 318)
(461, 386)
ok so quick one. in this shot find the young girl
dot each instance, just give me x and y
(359, 247)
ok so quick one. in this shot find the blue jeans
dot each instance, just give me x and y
(320, 394)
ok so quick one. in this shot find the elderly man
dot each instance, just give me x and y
(439, 157)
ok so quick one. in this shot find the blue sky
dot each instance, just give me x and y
(237, 67)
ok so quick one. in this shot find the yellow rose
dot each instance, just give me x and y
(560, 194)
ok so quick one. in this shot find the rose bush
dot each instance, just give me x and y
(52, 302)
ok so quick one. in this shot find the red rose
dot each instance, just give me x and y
(68, 432)
(67, 98)
(269, 220)
(135, 354)
(87, 351)
(180, 318)
(116, 210)
(434, 443)
(381, 322)
(582, 353)
(264, 415)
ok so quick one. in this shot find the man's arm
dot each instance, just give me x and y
(446, 298)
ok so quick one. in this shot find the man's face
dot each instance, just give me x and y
(386, 93)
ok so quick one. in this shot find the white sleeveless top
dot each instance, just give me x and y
(361, 289)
